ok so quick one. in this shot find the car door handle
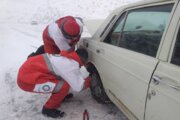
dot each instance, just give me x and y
(100, 50)
(157, 80)
(87, 45)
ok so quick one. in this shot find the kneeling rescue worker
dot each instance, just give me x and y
(55, 74)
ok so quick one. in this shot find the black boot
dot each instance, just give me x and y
(68, 96)
(54, 113)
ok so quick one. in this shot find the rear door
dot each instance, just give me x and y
(163, 101)
(126, 57)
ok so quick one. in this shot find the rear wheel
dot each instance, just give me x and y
(97, 89)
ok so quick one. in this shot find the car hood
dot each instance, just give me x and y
(92, 25)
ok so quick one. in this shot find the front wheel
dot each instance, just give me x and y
(97, 89)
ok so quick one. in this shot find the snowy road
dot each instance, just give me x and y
(16, 104)
(18, 37)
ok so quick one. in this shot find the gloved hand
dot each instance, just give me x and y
(84, 72)
(87, 82)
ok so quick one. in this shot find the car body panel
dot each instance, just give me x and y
(164, 104)
(126, 74)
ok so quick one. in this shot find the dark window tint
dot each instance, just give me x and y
(144, 28)
(176, 53)
(114, 34)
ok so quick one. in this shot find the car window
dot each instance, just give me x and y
(115, 33)
(144, 28)
(107, 25)
(176, 54)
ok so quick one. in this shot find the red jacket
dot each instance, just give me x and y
(42, 68)
(39, 74)
(49, 44)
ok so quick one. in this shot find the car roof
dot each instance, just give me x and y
(139, 3)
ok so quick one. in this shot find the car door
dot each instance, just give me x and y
(163, 101)
(126, 56)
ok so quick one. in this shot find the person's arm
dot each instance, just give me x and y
(86, 77)
(78, 78)
(69, 70)
(75, 80)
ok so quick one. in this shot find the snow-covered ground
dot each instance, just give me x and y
(19, 36)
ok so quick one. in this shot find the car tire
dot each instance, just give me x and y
(97, 89)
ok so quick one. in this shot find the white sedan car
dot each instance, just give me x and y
(134, 59)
